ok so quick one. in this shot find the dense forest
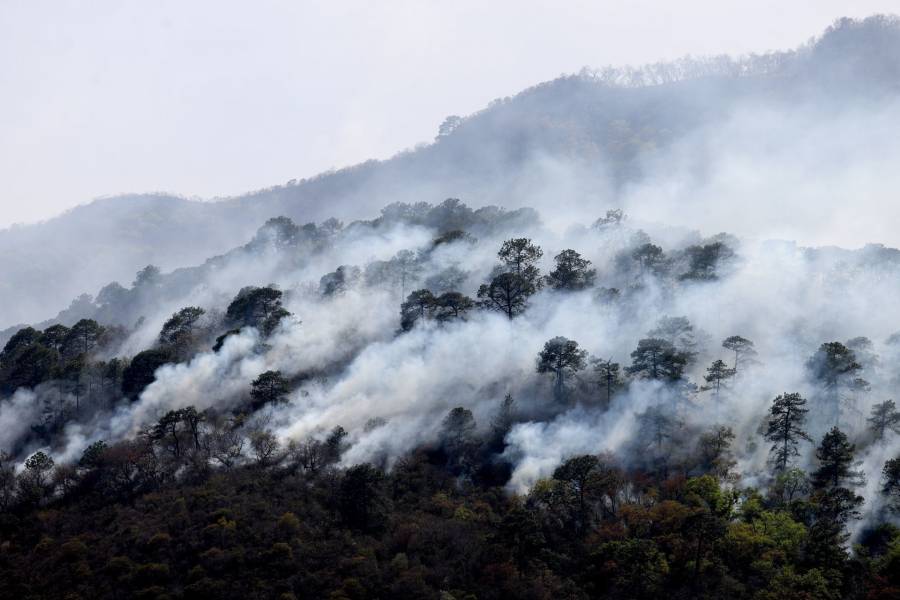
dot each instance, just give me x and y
(447, 402)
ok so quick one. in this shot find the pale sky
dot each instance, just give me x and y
(213, 97)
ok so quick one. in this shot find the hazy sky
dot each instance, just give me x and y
(211, 97)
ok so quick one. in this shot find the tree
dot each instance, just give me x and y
(418, 305)
(561, 357)
(167, 431)
(141, 371)
(885, 417)
(576, 474)
(656, 358)
(339, 281)
(280, 232)
(334, 445)
(20, 339)
(503, 421)
(458, 436)
(452, 305)
(609, 377)
(717, 373)
(361, 497)
(743, 350)
(614, 217)
(507, 293)
(83, 338)
(146, 277)
(863, 348)
(785, 428)
(458, 426)
(93, 456)
(25, 361)
(193, 420)
(257, 307)
(835, 455)
(448, 125)
(834, 366)
(790, 484)
(7, 481)
(447, 280)
(401, 270)
(34, 480)
(572, 272)
(407, 267)
(891, 483)
(715, 452)
(27, 367)
(269, 388)
(650, 259)
(226, 444)
(826, 537)
(178, 331)
(54, 337)
(657, 425)
(520, 256)
(112, 296)
(679, 332)
(265, 447)
(704, 260)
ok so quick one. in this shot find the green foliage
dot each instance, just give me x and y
(572, 272)
(891, 483)
(269, 388)
(656, 358)
(743, 350)
(593, 530)
(562, 358)
(256, 307)
(507, 293)
(178, 331)
(785, 429)
(835, 455)
(885, 419)
(141, 371)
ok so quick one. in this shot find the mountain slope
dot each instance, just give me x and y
(582, 137)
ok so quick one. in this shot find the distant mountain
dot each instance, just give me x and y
(600, 127)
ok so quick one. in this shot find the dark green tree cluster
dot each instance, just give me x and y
(422, 304)
(257, 307)
(150, 519)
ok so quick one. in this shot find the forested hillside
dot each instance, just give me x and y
(454, 402)
(582, 139)
(525, 361)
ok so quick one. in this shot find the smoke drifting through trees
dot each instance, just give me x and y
(333, 344)
(346, 353)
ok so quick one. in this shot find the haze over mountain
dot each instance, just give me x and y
(629, 334)
(674, 142)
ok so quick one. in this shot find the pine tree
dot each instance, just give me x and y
(743, 350)
(785, 429)
(609, 377)
(835, 367)
(656, 358)
(885, 417)
(835, 455)
(716, 374)
(560, 357)
(572, 272)
(891, 486)
(503, 420)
